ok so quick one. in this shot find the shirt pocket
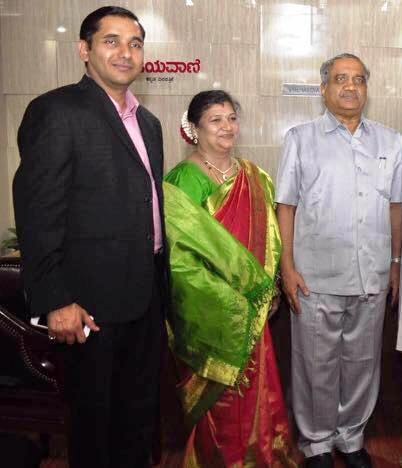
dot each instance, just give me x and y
(383, 169)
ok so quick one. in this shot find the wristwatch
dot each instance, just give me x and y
(396, 260)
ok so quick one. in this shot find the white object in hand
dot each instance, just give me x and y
(35, 322)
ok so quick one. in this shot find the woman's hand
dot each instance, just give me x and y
(276, 301)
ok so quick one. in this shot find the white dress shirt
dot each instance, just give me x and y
(342, 185)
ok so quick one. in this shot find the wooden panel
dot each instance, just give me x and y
(37, 19)
(217, 69)
(29, 71)
(267, 120)
(13, 160)
(5, 194)
(248, 47)
(379, 22)
(70, 68)
(386, 111)
(169, 109)
(216, 22)
(265, 157)
(385, 64)
(297, 37)
(5, 217)
(292, 47)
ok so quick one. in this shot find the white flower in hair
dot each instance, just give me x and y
(186, 126)
(187, 130)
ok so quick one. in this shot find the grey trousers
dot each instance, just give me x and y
(336, 353)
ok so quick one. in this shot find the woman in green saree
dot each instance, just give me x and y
(224, 249)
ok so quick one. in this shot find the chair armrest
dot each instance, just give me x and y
(38, 354)
(11, 287)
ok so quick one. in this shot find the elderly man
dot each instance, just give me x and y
(339, 195)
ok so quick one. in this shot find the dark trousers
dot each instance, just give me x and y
(112, 383)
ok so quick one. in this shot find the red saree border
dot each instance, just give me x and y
(244, 214)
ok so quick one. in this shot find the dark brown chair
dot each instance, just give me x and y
(31, 397)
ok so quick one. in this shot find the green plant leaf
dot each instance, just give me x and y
(11, 242)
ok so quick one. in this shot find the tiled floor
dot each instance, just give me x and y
(384, 431)
(383, 440)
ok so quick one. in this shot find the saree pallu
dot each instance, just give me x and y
(223, 262)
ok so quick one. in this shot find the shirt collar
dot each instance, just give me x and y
(131, 105)
(331, 123)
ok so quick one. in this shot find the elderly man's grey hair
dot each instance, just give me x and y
(326, 66)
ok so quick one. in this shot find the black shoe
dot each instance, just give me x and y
(358, 459)
(323, 460)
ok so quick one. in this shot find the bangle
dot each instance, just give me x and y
(396, 260)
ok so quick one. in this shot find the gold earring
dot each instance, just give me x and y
(194, 135)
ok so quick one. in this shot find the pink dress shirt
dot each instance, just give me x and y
(129, 118)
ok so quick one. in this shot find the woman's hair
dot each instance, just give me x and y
(204, 100)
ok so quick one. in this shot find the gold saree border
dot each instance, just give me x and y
(211, 376)
(212, 368)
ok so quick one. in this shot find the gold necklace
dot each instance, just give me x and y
(223, 174)
(217, 174)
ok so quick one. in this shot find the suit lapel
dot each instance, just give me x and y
(107, 109)
(148, 135)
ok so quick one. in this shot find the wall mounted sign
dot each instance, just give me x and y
(172, 67)
(300, 89)
(158, 67)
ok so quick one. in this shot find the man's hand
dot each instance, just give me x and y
(291, 281)
(394, 275)
(66, 324)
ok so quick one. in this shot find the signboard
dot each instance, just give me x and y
(300, 89)
(161, 71)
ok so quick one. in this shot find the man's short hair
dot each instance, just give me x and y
(90, 25)
(326, 66)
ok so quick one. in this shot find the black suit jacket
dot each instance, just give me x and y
(83, 204)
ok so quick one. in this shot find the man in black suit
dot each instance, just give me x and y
(88, 205)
